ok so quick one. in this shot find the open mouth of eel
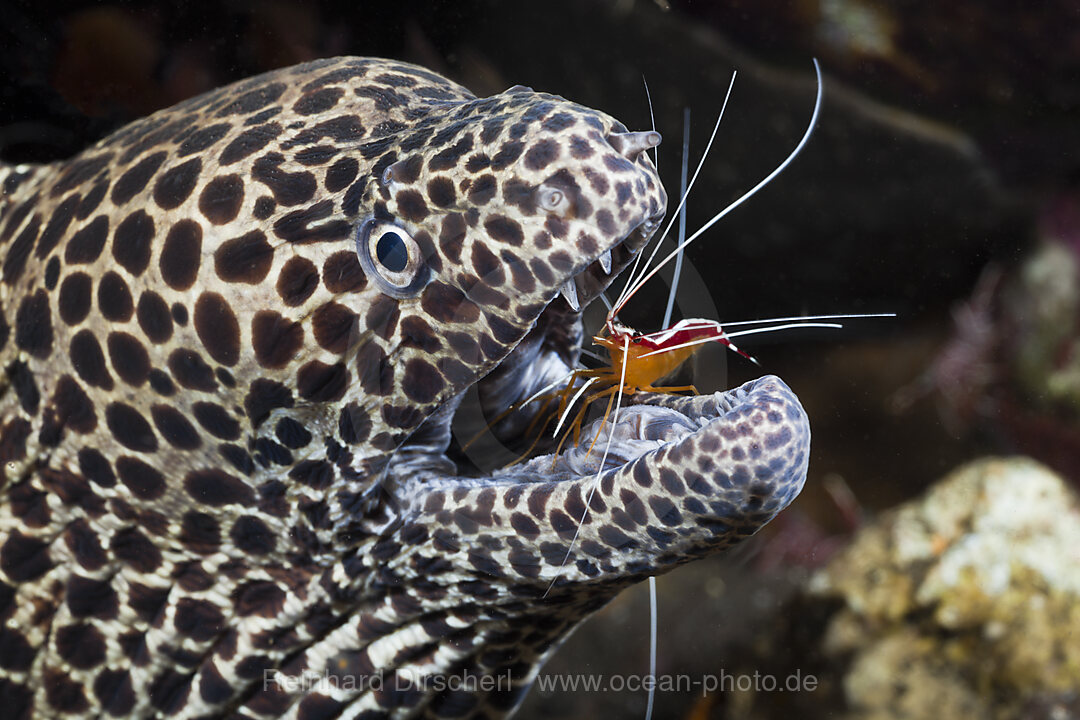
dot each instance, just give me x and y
(670, 478)
(495, 436)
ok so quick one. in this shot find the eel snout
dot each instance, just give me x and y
(683, 477)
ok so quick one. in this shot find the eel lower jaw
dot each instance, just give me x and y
(673, 478)
(649, 422)
(669, 478)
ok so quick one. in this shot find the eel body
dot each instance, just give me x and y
(235, 341)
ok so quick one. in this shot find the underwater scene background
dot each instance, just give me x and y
(940, 184)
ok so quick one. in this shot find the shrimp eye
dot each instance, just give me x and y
(552, 199)
(391, 258)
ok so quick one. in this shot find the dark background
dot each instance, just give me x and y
(947, 129)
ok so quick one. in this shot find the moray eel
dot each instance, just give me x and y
(234, 337)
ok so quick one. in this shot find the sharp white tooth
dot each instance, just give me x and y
(605, 262)
(569, 292)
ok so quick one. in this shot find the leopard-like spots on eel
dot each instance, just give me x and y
(233, 339)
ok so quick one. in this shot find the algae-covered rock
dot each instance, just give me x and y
(964, 602)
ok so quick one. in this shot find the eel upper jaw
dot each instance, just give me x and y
(551, 350)
(547, 354)
(585, 286)
(653, 433)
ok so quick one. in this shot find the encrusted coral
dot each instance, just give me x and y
(964, 602)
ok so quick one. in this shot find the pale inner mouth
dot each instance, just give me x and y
(640, 429)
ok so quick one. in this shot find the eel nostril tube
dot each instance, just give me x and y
(632, 144)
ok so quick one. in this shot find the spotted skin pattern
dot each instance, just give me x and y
(222, 443)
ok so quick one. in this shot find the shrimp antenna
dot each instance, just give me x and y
(667, 316)
(630, 277)
(737, 333)
(667, 321)
(746, 196)
(682, 218)
(803, 323)
(790, 318)
(652, 121)
(599, 471)
(652, 646)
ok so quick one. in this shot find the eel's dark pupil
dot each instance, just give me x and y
(391, 252)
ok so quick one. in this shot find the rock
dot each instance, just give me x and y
(962, 603)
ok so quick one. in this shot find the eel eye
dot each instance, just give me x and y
(552, 199)
(391, 258)
(391, 251)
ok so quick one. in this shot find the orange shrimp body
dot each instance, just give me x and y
(642, 372)
(637, 361)
(649, 358)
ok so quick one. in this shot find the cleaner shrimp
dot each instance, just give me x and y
(636, 361)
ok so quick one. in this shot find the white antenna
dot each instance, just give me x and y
(746, 196)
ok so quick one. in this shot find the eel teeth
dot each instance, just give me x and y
(605, 262)
(569, 293)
